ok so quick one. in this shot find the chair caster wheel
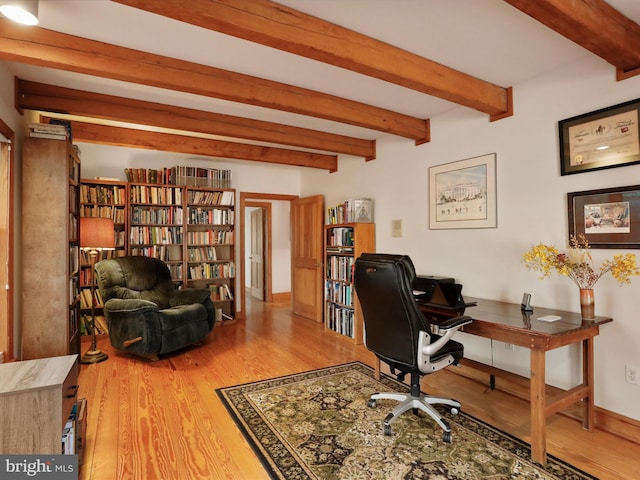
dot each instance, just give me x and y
(455, 411)
(387, 430)
(446, 437)
(371, 403)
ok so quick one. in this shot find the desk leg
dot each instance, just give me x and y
(588, 410)
(377, 368)
(538, 400)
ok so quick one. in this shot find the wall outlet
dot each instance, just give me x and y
(632, 374)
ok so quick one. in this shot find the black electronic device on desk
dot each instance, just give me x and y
(446, 301)
(424, 286)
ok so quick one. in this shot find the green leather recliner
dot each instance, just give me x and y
(145, 313)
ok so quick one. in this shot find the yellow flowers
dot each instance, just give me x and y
(577, 263)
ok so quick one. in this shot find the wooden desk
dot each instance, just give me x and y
(507, 323)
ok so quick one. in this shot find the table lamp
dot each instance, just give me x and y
(96, 234)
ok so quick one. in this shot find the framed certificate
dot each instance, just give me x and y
(605, 138)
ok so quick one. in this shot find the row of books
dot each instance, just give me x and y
(155, 235)
(85, 298)
(340, 237)
(156, 195)
(199, 197)
(339, 292)
(74, 431)
(340, 319)
(340, 268)
(49, 130)
(202, 177)
(109, 194)
(103, 211)
(202, 254)
(166, 253)
(85, 257)
(157, 215)
(212, 270)
(210, 237)
(354, 210)
(220, 292)
(211, 216)
(100, 325)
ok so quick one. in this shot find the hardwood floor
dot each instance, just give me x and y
(163, 420)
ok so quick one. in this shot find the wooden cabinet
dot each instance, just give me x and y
(36, 398)
(50, 251)
(344, 243)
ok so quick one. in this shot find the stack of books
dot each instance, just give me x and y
(47, 130)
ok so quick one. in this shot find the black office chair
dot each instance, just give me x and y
(400, 335)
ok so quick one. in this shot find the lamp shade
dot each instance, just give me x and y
(97, 233)
(21, 11)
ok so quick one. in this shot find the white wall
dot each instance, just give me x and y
(532, 208)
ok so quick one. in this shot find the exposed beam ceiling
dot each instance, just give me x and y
(49, 98)
(350, 68)
(594, 25)
(128, 137)
(37, 46)
(284, 28)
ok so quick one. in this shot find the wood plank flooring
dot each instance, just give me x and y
(163, 420)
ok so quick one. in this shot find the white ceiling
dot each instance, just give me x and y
(488, 39)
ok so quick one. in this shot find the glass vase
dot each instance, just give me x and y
(587, 304)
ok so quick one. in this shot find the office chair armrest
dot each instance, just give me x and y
(455, 322)
(447, 329)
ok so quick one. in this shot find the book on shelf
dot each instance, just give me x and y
(47, 130)
(354, 210)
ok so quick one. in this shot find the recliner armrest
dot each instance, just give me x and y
(455, 322)
(129, 305)
(188, 296)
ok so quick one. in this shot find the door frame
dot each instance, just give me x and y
(245, 198)
(7, 331)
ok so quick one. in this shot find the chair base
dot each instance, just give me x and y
(421, 402)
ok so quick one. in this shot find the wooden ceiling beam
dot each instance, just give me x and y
(592, 24)
(168, 142)
(46, 48)
(50, 98)
(277, 26)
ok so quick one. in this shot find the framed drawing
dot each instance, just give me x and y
(462, 194)
(605, 138)
(608, 218)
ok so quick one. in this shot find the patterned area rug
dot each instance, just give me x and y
(316, 425)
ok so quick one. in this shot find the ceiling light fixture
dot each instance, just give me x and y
(21, 11)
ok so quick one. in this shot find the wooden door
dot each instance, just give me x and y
(307, 220)
(256, 257)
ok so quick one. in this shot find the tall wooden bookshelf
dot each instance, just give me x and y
(50, 260)
(343, 244)
(210, 246)
(102, 199)
(156, 224)
(191, 229)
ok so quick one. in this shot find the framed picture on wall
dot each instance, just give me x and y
(462, 194)
(608, 218)
(605, 138)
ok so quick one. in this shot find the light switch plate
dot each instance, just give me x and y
(396, 228)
